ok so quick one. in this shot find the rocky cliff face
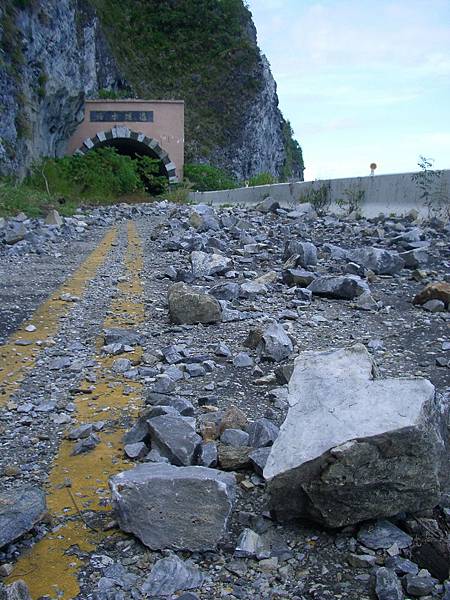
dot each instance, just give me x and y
(56, 53)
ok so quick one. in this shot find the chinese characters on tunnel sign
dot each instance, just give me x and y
(122, 116)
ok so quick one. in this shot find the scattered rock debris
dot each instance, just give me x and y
(283, 365)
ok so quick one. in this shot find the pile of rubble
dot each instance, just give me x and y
(272, 454)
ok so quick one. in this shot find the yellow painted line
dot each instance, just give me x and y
(17, 360)
(78, 485)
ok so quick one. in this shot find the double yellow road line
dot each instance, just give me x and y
(78, 493)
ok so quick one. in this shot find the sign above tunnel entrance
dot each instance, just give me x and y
(121, 116)
(134, 126)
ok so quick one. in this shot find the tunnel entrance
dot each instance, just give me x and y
(133, 144)
(150, 167)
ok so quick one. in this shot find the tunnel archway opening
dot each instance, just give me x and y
(154, 165)
(151, 169)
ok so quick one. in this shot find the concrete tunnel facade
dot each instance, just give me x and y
(147, 127)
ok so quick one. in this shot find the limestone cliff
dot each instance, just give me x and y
(56, 53)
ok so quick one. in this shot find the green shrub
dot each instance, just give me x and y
(151, 173)
(16, 198)
(262, 179)
(179, 193)
(352, 201)
(319, 198)
(97, 176)
(205, 178)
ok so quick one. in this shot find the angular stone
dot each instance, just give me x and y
(340, 287)
(262, 433)
(434, 306)
(402, 566)
(275, 344)
(258, 459)
(15, 233)
(381, 535)
(178, 508)
(222, 350)
(204, 264)
(361, 561)
(439, 290)
(252, 289)
(16, 591)
(135, 451)
(187, 305)
(86, 444)
(54, 218)
(242, 360)
(387, 585)
(170, 575)
(267, 205)
(127, 337)
(298, 277)
(181, 405)
(305, 252)
(419, 586)
(207, 455)
(20, 510)
(203, 218)
(378, 260)
(226, 291)
(235, 437)
(330, 461)
(175, 439)
(232, 418)
(138, 433)
(233, 459)
(415, 259)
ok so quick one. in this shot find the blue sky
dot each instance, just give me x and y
(361, 81)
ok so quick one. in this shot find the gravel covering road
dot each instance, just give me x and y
(62, 380)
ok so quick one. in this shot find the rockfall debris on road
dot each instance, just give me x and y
(224, 403)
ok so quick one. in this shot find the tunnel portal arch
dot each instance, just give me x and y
(137, 142)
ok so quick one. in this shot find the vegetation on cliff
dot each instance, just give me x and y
(202, 51)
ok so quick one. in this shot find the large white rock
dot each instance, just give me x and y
(354, 447)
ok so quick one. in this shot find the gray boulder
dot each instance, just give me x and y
(15, 233)
(174, 438)
(188, 305)
(262, 433)
(415, 259)
(207, 455)
(378, 260)
(170, 575)
(203, 218)
(275, 344)
(267, 205)
(54, 218)
(205, 265)
(126, 337)
(354, 447)
(305, 253)
(16, 591)
(298, 277)
(234, 437)
(387, 585)
(20, 510)
(226, 291)
(178, 508)
(382, 535)
(340, 287)
(252, 289)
